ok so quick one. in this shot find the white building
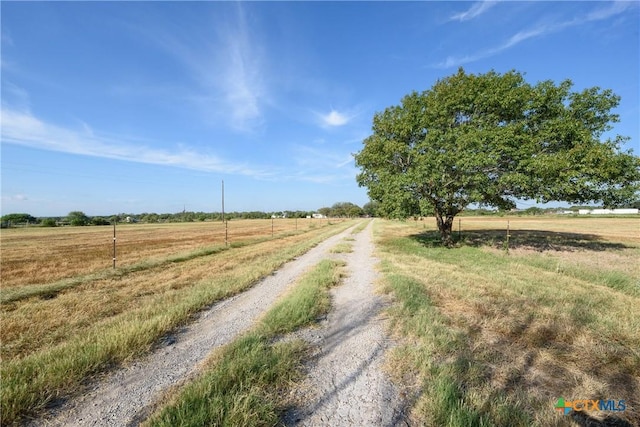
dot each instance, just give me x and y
(630, 211)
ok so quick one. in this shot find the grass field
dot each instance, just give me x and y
(57, 337)
(486, 336)
(38, 255)
(490, 337)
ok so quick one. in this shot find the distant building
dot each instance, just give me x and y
(630, 211)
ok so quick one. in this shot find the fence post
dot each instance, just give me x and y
(508, 235)
(114, 243)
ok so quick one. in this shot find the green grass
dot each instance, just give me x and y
(241, 390)
(440, 353)
(360, 227)
(30, 383)
(245, 380)
(342, 248)
(308, 301)
(490, 339)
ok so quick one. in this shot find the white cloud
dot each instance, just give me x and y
(22, 128)
(334, 118)
(474, 11)
(538, 31)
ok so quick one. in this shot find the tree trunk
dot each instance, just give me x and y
(444, 226)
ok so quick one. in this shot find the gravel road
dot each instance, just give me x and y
(345, 383)
(345, 387)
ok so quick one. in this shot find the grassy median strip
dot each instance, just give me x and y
(98, 325)
(342, 248)
(244, 381)
(493, 339)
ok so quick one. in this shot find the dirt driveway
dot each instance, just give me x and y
(346, 386)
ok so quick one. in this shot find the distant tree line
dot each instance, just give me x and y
(79, 218)
(337, 210)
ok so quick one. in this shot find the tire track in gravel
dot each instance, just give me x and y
(126, 396)
(345, 383)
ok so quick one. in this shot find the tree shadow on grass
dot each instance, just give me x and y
(538, 240)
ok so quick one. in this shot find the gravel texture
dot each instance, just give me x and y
(126, 396)
(345, 383)
(344, 386)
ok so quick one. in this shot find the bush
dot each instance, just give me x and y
(97, 220)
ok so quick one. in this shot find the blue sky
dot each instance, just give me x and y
(135, 107)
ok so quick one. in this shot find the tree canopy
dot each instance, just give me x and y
(342, 210)
(78, 218)
(490, 139)
(19, 218)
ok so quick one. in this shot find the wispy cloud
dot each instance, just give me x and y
(242, 73)
(455, 61)
(541, 30)
(614, 8)
(474, 11)
(321, 164)
(15, 198)
(22, 128)
(228, 63)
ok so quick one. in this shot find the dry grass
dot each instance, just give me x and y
(498, 338)
(43, 255)
(587, 229)
(40, 322)
(80, 331)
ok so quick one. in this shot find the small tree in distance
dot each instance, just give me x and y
(78, 218)
(490, 139)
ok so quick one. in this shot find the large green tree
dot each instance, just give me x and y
(490, 139)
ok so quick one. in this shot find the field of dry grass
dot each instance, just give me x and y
(67, 334)
(492, 337)
(42, 255)
(579, 231)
